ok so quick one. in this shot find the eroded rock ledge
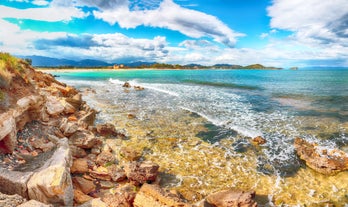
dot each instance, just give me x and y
(53, 154)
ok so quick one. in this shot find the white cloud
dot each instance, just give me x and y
(49, 14)
(313, 21)
(171, 16)
(40, 2)
(264, 35)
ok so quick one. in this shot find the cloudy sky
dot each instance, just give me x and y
(271, 32)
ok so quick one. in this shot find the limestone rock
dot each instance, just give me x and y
(68, 128)
(34, 203)
(325, 161)
(11, 200)
(79, 166)
(123, 196)
(54, 106)
(15, 182)
(88, 119)
(8, 139)
(231, 198)
(97, 202)
(80, 197)
(32, 101)
(126, 85)
(154, 196)
(56, 187)
(75, 101)
(84, 139)
(141, 172)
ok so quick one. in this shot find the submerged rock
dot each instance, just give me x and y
(154, 195)
(141, 172)
(325, 161)
(231, 198)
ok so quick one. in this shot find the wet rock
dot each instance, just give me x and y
(8, 139)
(34, 203)
(141, 172)
(123, 196)
(129, 153)
(259, 140)
(139, 88)
(80, 197)
(325, 161)
(106, 129)
(131, 116)
(153, 195)
(84, 139)
(86, 186)
(231, 198)
(79, 166)
(56, 188)
(53, 106)
(97, 202)
(126, 85)
(117, 174)
(11, 200)
(105, 158)
(68, 128)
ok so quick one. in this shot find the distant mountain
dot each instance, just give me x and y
(41, 61)
(228, 66)
(138, 64)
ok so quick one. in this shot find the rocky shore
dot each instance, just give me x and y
(52, 153)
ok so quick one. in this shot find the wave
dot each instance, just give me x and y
(223, 85)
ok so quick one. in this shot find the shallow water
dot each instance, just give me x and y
(198, 125)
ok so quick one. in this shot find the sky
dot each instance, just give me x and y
(282, 33)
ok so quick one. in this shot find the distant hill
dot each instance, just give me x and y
(41, 61)
(227, 66)
(138, 64)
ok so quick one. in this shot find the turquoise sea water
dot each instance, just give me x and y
(275, 104)
(278, 105)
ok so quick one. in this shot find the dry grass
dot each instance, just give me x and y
(9, 66)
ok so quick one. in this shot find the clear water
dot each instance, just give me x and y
(236, 105)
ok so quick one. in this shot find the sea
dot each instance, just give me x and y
(199, 125)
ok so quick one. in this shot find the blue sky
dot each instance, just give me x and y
(271, 32)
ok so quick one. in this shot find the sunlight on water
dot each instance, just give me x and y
(200, 135)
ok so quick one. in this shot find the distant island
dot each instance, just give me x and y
(47, 62)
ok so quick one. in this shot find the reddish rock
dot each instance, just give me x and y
(141, 172)
(105, 158)
(68, 128)
(86, 186)
(84, 139)
(88, 119)
(259, 140)
(153, 195)
(121, 197)
(129, 153)
(231, 198)
(53, 106)
(321, 160)
(77, 152)
(8, 138)
(106, 129)
(117, 174)
(79, 166)
(100, 173)
(80, 197)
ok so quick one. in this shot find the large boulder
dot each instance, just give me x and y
(8, 139)
(54, 106)
(320, 159)
(232, 198)
(56, 187)
(11, 200)
(141, 172)
(153, 195)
